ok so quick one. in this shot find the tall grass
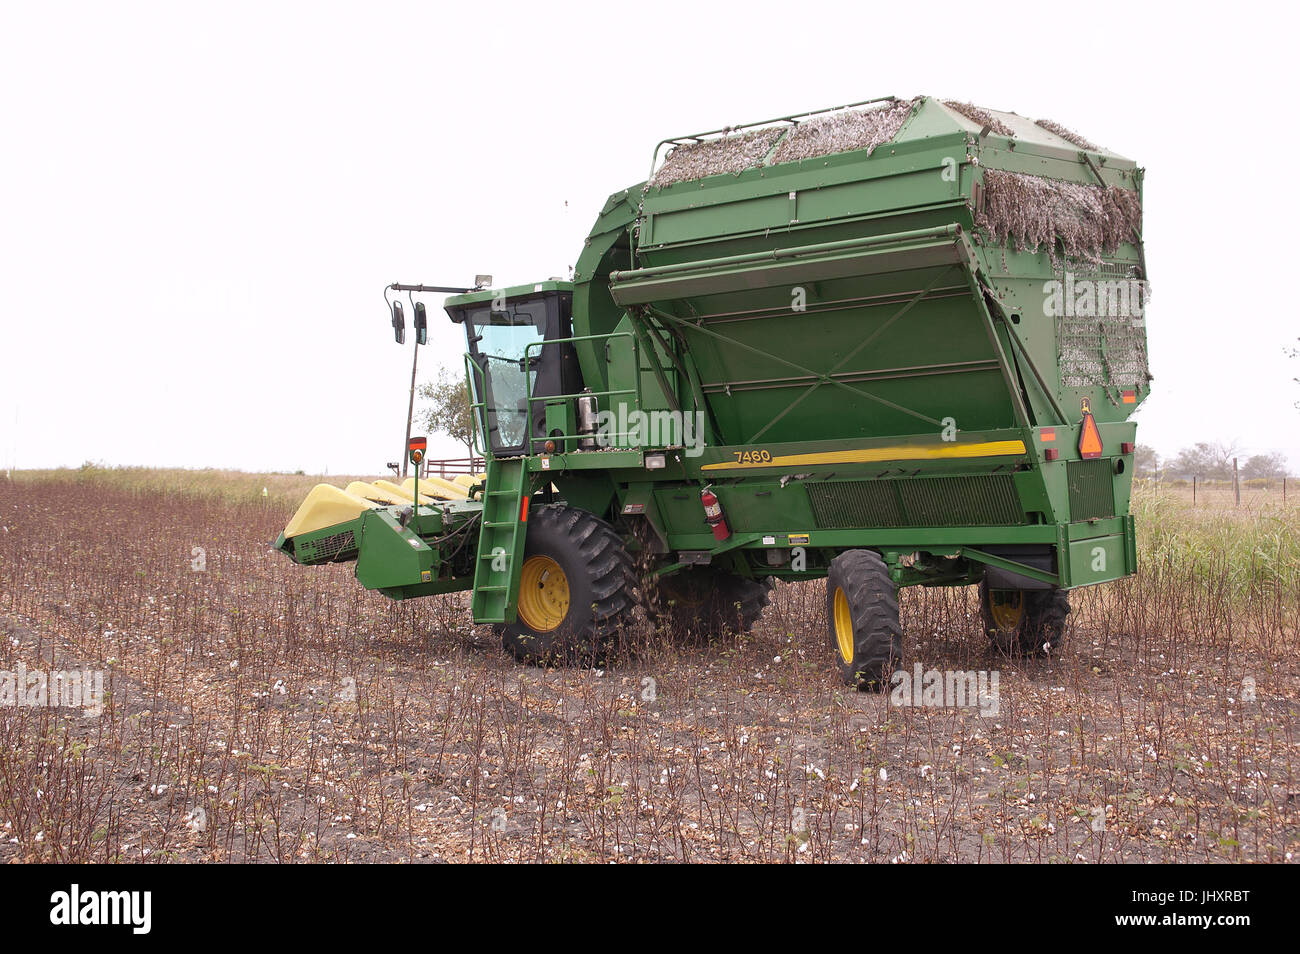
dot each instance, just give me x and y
(216, 486)
(1256, 550)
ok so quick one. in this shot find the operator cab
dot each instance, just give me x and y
(507, 331)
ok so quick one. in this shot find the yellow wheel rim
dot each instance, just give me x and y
(843, 626)
(543, 594)
(1006, 607)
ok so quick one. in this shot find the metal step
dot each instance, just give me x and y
(496, 590)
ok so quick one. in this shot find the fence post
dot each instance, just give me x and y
(1236, 484)
(1193, 490)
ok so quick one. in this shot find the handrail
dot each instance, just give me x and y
(486, 450)
(479, 409)
(794, 119)
(635, 392)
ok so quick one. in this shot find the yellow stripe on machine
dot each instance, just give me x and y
(869, 455)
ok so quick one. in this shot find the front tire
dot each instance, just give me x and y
(862, 617)
(577, 589)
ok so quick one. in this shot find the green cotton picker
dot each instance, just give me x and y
(890, 344)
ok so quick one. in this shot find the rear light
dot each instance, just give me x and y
(1126, 447)
(1051, 453)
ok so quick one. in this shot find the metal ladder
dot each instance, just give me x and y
(501, 537)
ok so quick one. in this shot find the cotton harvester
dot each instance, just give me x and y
(888, 344)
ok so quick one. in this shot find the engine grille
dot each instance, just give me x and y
(980, 501)
(1092, 492)
(326, 548)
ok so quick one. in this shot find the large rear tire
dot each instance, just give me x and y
(862, 617)
(1024, 622)
(706, 602)
(577, 589)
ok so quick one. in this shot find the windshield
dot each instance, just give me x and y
(504, 336)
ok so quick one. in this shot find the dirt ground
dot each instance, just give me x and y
(261, 711)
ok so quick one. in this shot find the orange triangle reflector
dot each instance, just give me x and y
(1089, 438)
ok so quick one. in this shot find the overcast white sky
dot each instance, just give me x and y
(201, 203)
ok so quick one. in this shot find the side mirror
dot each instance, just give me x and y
(399, 323)
(421, 323)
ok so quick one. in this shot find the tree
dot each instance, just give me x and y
(448, 411)
(1205, 460)
(1146, 462)
(1264, 467)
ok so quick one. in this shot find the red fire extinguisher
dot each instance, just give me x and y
(714, 515)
